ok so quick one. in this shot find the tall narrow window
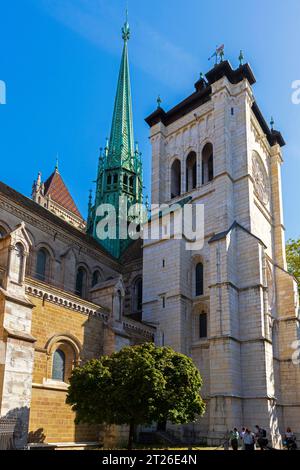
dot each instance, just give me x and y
(131, 183)
(210, 165)
(80, 282)
(207, 163)
(59, 365)
(119, 306)
(41, 264)
(199, 279)
(138, 295)
(96, 278)
(203, 325)
(191, 171)
(19, 260)
(2, 232)
(175, 179)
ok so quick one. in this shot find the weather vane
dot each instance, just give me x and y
(158, 101)
(56, 164)
(272, 123)
(218, 54)
(126, 29)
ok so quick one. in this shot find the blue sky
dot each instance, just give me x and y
(60, 60)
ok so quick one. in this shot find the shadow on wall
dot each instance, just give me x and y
(92, 348)
(13, 429)
(37, 436)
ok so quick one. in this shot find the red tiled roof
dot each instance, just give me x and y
(56, 188)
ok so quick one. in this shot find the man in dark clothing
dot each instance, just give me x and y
(234, 439)
(261, 437)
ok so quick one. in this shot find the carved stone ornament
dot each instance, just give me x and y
(260, 177)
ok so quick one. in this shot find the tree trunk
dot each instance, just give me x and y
(131, 435)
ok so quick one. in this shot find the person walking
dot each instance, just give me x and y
(290, 439)
(261, 437)
(242, 433)
(234, 439)
(249, 440)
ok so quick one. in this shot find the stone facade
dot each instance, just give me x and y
(230, 305)
(39, 316)
(250, 300)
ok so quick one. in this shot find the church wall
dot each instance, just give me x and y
(66, 252)
(51, 418)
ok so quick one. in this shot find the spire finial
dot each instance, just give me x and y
(241, 58)
(272, 123)
(126, 29)
(158, 101)
(56, 164)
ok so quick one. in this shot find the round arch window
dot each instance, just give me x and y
(59, 365)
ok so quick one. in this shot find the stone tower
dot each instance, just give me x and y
(120, 168)
(232, 306)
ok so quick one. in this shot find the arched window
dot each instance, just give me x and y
(41, 264)
(96, 278)
(207, 163)
(2, 232)
(119, 310)
(131, 182)
(191, 171)
(199, 284)
(203, 325)
(138, 295)
(175, 179)
(59, 365)
(80, 282)
(19, 260)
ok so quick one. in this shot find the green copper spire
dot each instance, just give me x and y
(121, 142)
(119, 175)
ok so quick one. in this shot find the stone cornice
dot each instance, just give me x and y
(63, 299)
(17, 300)
(139, 328)
(20, 335)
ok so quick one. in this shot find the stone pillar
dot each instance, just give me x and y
(16, 342)
(225, 404)
(279, 238)
(159, 170)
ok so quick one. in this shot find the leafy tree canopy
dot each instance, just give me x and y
(137, 385)
(293, 258)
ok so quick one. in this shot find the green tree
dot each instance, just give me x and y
(137, 385)
(293, 258)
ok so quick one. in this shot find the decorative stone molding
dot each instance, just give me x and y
(63, 299)
(143, 330)
(261, 182)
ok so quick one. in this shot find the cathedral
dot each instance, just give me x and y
(67, 295)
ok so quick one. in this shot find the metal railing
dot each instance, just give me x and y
(7, 428)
